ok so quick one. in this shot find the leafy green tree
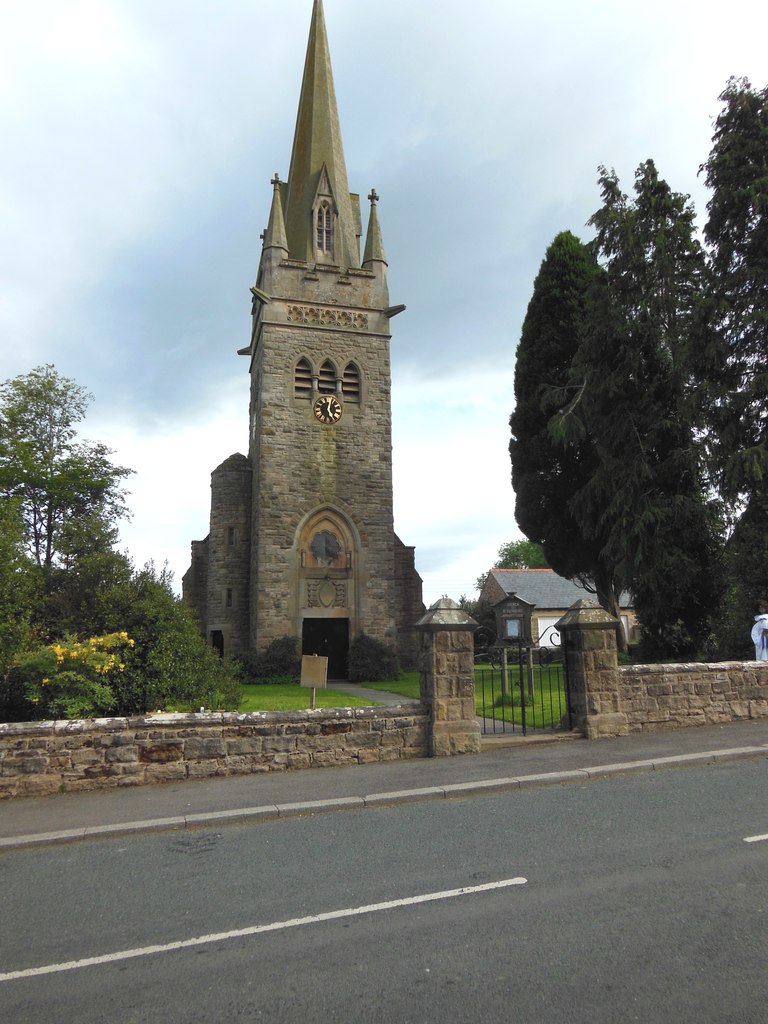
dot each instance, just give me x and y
(515, 554)
(170, 665)
(62, 580)
(521, 554)
(58, 481)
(166, 664)
(16, 587)
(78, 595)
(549, 468)
(637, 372)
(482, 612)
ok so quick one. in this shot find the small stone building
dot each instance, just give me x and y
(551, 596)
(301, 538)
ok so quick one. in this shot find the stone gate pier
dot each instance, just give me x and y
(447, 679)
(608, 699)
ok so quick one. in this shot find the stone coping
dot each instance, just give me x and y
(76, 726)
(693, 666)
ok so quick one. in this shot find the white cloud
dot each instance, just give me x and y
(453, 498)
(170, 489)
(139, 140)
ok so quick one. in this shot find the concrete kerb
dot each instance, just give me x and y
(481, 787)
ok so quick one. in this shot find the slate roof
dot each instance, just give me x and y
(544, 588)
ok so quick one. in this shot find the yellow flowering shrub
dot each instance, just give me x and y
(71, 678)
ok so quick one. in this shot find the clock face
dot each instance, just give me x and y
(327, 409)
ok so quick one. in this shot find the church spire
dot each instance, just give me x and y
(318, 193)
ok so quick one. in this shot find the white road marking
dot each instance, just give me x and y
(258, 929)
(755, 839)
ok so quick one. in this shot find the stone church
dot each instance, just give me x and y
(301, 539)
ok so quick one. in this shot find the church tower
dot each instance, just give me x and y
(302, 540)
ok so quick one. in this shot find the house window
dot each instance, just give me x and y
(350, 383)
(231, 535)
(326, 383)
(229, 598)
(324, 225)
(302, 379)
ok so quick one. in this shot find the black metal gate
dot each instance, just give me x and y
(520, 688)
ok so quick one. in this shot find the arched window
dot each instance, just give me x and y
(324, 225)
(350, 383)
(326, 383)
(302, 379)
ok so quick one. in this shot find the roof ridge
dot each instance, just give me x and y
(498, 569)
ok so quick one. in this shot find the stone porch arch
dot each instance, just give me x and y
(327, 552)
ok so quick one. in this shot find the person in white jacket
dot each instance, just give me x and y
(760, 632)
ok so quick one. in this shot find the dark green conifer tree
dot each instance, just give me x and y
(737, 235)
(639, 371)
(548, 470)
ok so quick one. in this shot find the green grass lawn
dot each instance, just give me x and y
(292, 697)
(407, 685)
(544, 712)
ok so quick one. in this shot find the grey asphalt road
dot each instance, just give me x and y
(641, 902)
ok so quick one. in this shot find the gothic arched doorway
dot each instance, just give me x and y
(326, 546)
(330, 639)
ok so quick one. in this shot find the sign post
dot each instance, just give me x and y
(314, 673)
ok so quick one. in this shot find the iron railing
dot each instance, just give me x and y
(521, 688)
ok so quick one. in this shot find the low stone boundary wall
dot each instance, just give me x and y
(49, 757)
(609, 700)
(657, 697)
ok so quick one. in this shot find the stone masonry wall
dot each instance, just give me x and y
(227, 599)
(447, 679)
(301, 465)
(194, 583)
(39, 758)
(409, 606)
(608, 700)
(320, 312)
(655, 697)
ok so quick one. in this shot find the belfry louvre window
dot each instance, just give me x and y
(326, 383)
(350, 383)
(324, 222)
(302, 379)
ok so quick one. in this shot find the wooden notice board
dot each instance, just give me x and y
(314, 670)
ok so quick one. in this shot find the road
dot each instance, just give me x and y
(630, 899)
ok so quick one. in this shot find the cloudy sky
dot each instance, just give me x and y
(138, 139)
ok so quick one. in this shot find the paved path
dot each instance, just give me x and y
(375, 696)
